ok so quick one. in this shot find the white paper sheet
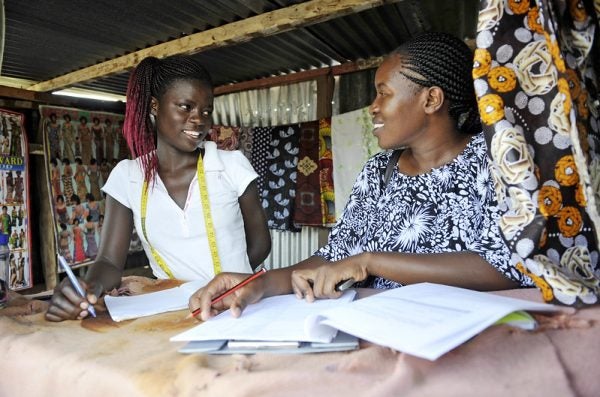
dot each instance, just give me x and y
(127, 307)
(278, 318)
(425, 320)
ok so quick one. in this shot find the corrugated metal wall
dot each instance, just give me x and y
(288, 248)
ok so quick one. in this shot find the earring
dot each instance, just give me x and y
(152, 119)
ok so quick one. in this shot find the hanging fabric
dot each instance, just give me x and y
(226, 138)
(280, 179)
(326, 173)
(353, 143)
(307, 205)
(533, 75)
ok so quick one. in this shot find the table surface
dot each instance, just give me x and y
(98, 357)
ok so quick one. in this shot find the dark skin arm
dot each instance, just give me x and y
(461, 269)
(106, 271)
(274, 282)
(258, 239)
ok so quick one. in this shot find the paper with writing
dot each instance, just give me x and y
(425, 320)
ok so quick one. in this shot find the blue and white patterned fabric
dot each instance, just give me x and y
(451, 208)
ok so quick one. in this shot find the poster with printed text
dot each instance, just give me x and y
(15, 236)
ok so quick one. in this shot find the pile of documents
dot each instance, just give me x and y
(424, 320)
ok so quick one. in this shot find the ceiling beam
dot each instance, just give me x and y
(297, 77)
(267, 24)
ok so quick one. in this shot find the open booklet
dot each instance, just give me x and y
(279, 324)
(127, 307)
(425, 320)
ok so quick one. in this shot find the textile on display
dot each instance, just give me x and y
(260, 145)
(353, 143)
(307, 207)
(328, 203)
(536, 90)
(226, 138)
(279, 191)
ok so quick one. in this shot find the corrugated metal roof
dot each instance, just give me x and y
(45, 39)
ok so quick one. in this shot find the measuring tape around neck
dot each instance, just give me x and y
(210, 229)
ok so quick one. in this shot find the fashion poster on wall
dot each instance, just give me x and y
(81, 149)
(15, 236)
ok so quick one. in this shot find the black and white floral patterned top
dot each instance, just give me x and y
(451, 208)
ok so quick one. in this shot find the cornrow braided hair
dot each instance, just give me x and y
(442, 60)
(152, 78)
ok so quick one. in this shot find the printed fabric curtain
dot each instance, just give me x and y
(536, 80)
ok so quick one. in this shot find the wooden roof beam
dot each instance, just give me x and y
(262, 25)
(297, 77)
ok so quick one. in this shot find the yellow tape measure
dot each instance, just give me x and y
(210, 229)
(154, 252)
(208, 222)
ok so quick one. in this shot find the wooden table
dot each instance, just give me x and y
(98, 357)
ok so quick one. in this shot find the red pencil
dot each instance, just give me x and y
(232, 289)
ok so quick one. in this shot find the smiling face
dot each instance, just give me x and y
(183, 114)
(398, 109)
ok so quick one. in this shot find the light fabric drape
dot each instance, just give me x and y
(353, 143)
(265, 107)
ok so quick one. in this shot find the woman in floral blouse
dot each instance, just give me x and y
(434, 220)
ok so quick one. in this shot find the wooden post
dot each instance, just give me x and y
(46, 225)
(325, 87)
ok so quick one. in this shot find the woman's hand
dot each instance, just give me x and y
(237, 301)
(321, 282)
(67, 304)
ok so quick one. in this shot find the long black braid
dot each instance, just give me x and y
(151, 78)
(442, 60)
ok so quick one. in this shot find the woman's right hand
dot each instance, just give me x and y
(67, 304)
(237, 301)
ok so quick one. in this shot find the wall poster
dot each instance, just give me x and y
(15, 236)
(81, 148)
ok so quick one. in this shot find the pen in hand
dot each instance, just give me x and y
(231, 290)
(344, 284)
(75, 283)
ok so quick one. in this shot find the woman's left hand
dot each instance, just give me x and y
(321, 282)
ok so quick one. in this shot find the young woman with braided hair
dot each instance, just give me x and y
(434, 220)
(195, 208)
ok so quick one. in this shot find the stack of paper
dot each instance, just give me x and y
(425, 320)
(285, 319)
